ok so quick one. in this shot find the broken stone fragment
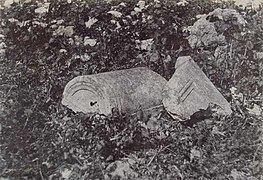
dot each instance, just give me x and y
(128, 90)
(90, 22)
(189, 90)
(209, 29)
(121, 169)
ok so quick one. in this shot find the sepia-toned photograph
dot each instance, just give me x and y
(131, 89)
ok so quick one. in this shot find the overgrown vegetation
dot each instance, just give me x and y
(41, 52)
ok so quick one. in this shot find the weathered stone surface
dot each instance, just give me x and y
(129, 90)
(208, 30)
(121, 169)
(190, 90)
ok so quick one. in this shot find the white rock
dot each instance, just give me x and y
(198, 16)
(122, 4)
(2, 45)
(235, 95)
(89, 41)
(258, 55)
(237, 175)
(182, 3)
(195, 154)
(63, 51)
(228, 14)
(78, 40)
(43, 9)
(136, 9)
(47, 164)
(75, 56)
(66, 173)
(2, 52)
(149, 17)
(54, 26)
(70, 41)
(12, 20)
(204, 32)
(60, 21)
(90, 22)
(190, 90)
(66, 31)
(85, 57)
(141, 4)
(115, 13)
(135, 22)
(121, 169)
(37, 23)
(147, 44)
(118, 25)
(256, 110)
(53, 21)
(15, 21)
(108, 1)
(9, 2)
(139, 7)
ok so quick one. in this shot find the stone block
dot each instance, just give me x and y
(190, 90)
(128, 90)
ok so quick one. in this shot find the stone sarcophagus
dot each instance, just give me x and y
(128, 90)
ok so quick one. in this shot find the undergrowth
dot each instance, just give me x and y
(40, 138)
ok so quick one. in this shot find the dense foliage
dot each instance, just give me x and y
(42, 51)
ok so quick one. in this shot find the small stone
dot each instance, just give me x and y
(115, 13)
(89, 41)
(237, 175)
(121, 169)
(258, 55)
(43, 9)
(7, 3)
(66, 31)
(60, 21)
(136, 9)
(154, 57)
(85, 57)
(122, 4)
(189, 90)
(141, 4)
(63, 51)
(182, 3)
(256, 110)
(90, 22)
(65, 173)
(147, 44)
